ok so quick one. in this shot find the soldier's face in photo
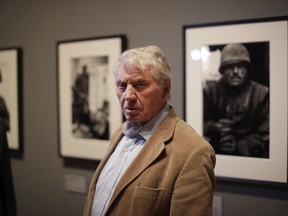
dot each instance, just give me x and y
(235, 74)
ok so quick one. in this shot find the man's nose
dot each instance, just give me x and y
(130, 93)
(235, 69)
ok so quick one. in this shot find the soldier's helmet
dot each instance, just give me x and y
(234, 54)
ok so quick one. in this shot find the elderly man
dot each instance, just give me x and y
(156, 163)
(236, 109)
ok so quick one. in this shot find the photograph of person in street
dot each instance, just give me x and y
(90, 101)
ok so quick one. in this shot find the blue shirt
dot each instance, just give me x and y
(127, 149)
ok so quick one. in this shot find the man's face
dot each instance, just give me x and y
(235, 75)
(139, 94)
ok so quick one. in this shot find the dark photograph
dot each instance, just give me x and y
(90, 97)
(236, 98)
(4, 113)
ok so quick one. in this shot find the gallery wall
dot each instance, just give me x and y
(36, 26)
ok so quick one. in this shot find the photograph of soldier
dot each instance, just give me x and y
(90, 104)
(236, 105)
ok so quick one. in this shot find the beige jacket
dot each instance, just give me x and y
(172, 175)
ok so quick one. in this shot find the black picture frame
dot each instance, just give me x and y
(87, 98)
(11, 93)
(259, 35)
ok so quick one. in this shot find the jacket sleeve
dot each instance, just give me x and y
(193, 192)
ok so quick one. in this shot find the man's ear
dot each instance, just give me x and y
(166, 88)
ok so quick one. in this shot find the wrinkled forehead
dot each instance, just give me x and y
(125, 73)
(132, 69)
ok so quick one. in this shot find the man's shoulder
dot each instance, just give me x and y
(259, 90)
(259, 86)
(188, 134)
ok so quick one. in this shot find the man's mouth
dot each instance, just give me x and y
(130, 109)
(235, 77)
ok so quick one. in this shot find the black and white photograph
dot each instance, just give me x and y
(90, 93)
(88, 107)
(10, 96)
(236, 98)
(235, 95)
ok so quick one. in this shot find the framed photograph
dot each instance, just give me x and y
(89, 111)
(236, 95)
(10, 95)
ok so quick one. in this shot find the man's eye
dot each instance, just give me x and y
(141, 85)
(121, 86)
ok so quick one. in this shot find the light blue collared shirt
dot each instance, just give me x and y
(127, 149)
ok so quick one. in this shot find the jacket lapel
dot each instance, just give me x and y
(150, 152)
